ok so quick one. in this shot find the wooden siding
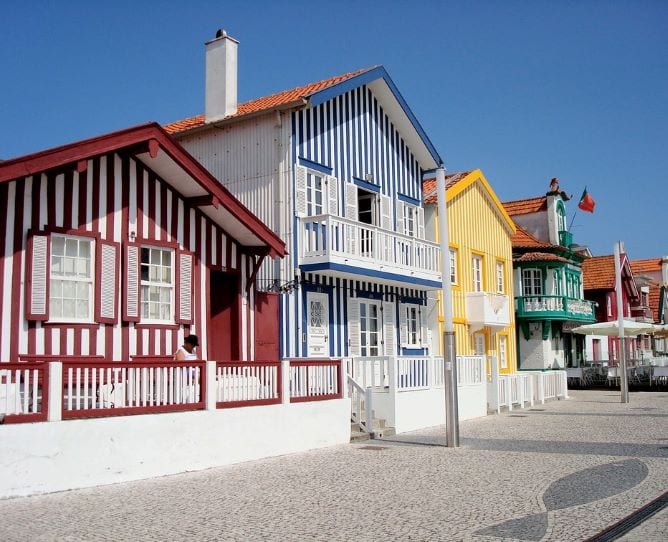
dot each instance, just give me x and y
(477, 228)
(352, 135)
(115, 196)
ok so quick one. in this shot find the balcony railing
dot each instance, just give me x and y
(488, 309)
(565, 238)
(555, 308)
(331, 239)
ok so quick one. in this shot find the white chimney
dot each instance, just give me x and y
(221, 77)
(664, 271)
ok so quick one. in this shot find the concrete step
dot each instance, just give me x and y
(384, 432)
(359, 436)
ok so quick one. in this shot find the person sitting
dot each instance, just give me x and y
(187, 351)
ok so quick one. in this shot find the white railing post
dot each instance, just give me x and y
(520, 390)
(509, 392)
(531, 390)
(494, 371)
(564, 383)
(211, 385)
(285, 381)
(55, 391)
(541, 389)
(368, 407)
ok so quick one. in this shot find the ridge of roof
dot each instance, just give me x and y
(151, 134)
(267, 103)
(526, 206)
(451, 179)
(540, 257)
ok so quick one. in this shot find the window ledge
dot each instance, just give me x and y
(157, 325)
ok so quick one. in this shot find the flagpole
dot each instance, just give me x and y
(623, 383)
(573, 219)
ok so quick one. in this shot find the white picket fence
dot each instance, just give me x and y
(523, 389)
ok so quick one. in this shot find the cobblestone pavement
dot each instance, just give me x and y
(560, 471)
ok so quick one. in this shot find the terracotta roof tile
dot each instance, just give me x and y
(526, 206)
(540, 257)
(523, 239)
(654, 297)
(598, 273)
(267, 103)
(429, 186)
(643, 267)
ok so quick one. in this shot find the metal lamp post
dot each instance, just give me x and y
(449, 347)
(624, 385)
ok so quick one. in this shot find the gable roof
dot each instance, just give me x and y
(648, 266)
(598, 273)
(540, 257)
(152, 145)
(523, 239)
(526, 206)
(456, 183)
(314, 94)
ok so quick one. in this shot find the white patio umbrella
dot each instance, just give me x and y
(661, 331)
(611, 329)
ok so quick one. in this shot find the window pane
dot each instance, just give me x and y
(164, 295)
(144, 272)
(68, 308)
(68, 289)
(56, 288)
(145, 254)
(166, 257)
(71, 246)
(68, 266)
(165, 312)
(82, 290)
(154, 273)
(155, 256)
(82, 309)
(167, 275)
(84, 249)
(58, 246)
(56, 308)
(154, 311)
(144, 310)
(56, 265)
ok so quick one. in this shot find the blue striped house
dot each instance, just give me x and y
(335, 168)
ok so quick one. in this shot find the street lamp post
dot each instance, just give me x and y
(620, 322)
(449, 347)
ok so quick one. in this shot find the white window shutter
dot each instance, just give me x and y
(424, 326)
(351, 201)
(132, 309)
(385, 212)
(389, 329)
(403, 325)
(333, 192)
(38, 277)
(400, 216)
(184, 292)
(420, 222)
(106, 291)
(300, 191)
(353, 327)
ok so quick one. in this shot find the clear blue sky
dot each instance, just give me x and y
(525, 91)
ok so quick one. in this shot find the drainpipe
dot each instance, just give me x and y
(449, 346)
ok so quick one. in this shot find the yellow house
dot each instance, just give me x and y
(481, 264)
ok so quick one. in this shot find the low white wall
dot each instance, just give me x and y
(418, 409)
(56, 456)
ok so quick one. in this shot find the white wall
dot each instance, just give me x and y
(537, 353)
(57, 456)
(417, 409)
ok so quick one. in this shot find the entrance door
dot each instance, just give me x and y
(224, 317)
(317, 324)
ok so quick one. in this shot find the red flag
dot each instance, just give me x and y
(587, 203)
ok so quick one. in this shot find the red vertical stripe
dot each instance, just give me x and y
(92, 341)
(68, 184)
(111, 182)
(164, 227)
(108, 342)
(96, 194)
(140, 342)
(175, 217)
(77, 341)
(125, 198)
(83, 198)
(63, 341)
(3, 233)
(151, 204)
(197, 292)
(51, 199)
(186, 227)
(151, 342)
(17, 271)
(219, 247)
(228, 252)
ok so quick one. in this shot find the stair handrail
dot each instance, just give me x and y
(365, 421)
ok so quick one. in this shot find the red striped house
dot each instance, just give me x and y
(120, 245)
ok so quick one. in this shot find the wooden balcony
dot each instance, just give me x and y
(346, 248)
(487, 309)
(554, 307)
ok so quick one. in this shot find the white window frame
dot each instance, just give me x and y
(312, 191)
(413, 314)
(531, 273)
(149, 283)
(90, 280)
(479, 338)
(503, 351)
(410, 220)
(453, 266)
(365, 331)
(500, 277)
(477, 273)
